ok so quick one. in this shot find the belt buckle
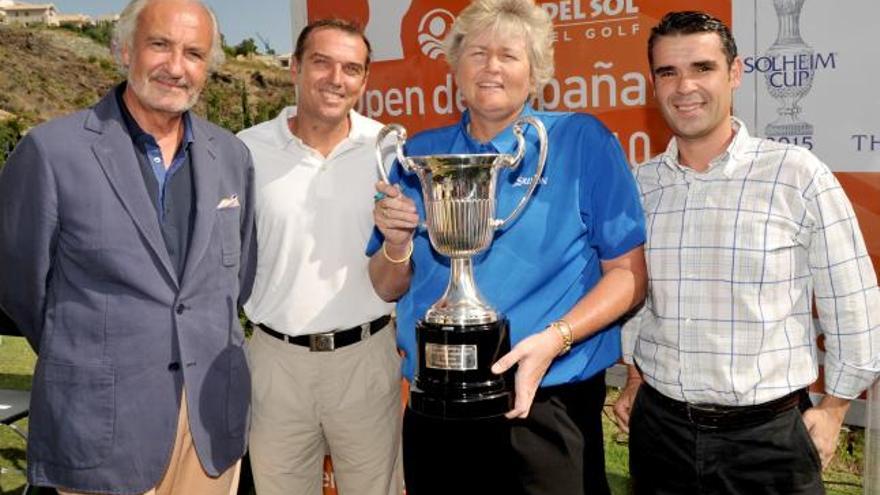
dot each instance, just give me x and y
(705, 417)
(705, 408)
(322, 342)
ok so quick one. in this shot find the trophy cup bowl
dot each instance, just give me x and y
(461, 335)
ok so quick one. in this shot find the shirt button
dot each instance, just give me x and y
(180, 309)
(174, 366)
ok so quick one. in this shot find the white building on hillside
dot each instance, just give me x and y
(112, 18)
(77, 20)
(28, 14)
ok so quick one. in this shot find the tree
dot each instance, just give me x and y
(246, 47)
(246, 120)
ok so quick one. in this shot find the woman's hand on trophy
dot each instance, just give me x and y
(533, 355)
(395, 215)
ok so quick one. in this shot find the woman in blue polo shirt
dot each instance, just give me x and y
(566, 270)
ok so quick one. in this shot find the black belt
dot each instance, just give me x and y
(718, 417)
(330, 341)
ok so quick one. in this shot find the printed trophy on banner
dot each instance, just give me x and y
(791, 76)
(461, 335)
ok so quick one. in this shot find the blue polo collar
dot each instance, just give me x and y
(503, 142)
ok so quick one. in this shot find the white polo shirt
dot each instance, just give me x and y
(314, 217)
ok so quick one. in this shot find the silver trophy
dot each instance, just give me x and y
(792, 75)
(461, 335)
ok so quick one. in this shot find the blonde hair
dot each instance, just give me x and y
(510, 17)
(126, 27)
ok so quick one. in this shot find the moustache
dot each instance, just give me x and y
(177, 82)
(333, 88)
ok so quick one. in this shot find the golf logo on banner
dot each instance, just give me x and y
(433, 28)
(806, 84)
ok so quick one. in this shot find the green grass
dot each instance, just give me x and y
(16, 367)
(17, 364)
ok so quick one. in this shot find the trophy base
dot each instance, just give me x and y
(467, 407)
(454, 379)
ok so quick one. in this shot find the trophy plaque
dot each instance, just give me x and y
(461, 335)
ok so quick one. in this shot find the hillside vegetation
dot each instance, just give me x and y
(52, 72)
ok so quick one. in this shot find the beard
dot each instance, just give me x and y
(152, 92)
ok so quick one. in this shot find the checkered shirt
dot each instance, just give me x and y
(736, 255)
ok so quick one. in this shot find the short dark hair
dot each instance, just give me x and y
(332, 23)
(692, 22)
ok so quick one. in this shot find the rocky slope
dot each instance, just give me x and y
(46, 73)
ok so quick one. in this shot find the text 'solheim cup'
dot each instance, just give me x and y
(461, 335)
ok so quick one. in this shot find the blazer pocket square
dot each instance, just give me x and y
(230, 202)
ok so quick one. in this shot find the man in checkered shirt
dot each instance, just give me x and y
(744, 234)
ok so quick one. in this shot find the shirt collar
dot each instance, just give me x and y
(140, 136)
(282, 128)
(359, 132)
(726, 160)
(503, 142)
(360, 128)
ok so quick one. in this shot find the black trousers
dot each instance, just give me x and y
(670, 455)
(557, 450)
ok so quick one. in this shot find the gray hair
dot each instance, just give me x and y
(126, 26)
(508, 17)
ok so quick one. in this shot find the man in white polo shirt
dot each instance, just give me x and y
(325, 368)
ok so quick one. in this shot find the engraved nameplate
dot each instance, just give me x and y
(451, 357)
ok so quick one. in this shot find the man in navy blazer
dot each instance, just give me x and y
(126, 240)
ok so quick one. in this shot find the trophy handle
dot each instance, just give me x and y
(407, 165)
(401, 139)
(520, 153)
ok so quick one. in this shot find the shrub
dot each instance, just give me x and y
(11, 131)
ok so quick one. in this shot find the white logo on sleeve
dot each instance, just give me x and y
(527, 181)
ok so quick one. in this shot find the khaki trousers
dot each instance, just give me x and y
(184, 474)
(307, 403)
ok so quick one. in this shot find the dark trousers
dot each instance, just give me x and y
(670, 455)
(558, 449)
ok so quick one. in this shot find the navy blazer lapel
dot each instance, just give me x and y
(115, 153)
(207, 186)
